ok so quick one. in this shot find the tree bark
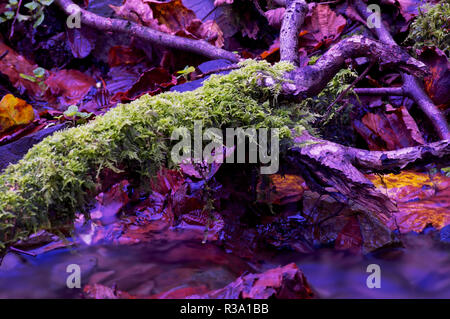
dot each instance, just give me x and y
(147, 34)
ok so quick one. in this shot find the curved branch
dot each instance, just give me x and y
(311, 80)
(147, 34)
(412, 86)
(294, 16)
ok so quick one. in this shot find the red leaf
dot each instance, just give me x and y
(67, 87)
(438, 83)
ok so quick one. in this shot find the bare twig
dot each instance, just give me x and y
(4, 54)
(227, 68)
(15, 18)
(147, 34)
(394, 91)
(259, 9)
(20, 251)
(343, 93)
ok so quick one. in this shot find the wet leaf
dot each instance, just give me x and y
(273, 53)
(98, 291)
(136, 11)
(389, 130)
(409, 8)
(13, 112)
(218, 3)
(421, 199)
(152, 81)
(208, 30)
(110, 203)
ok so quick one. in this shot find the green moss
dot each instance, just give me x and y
(431, 27)
(59, 176)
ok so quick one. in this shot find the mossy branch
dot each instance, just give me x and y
(58, 177)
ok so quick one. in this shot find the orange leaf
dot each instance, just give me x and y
(281, 189)
(172, 14)
(421, 200)
(14, 111)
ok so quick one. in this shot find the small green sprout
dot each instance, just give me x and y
(186, 71)
(72, 111)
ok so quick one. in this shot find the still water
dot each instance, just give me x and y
(420, 270)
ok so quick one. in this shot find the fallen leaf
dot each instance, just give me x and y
(273, 53)
(14, 112)
(409, 8)
(80, 44)
(280, 189)
(249, 27)
(137, 11)
(67, 87)
(110, 203)
(152, 81)
(209, 31)
(389, 130)
(20, 72)
(421, 200)
(98, 291)
(322, 27)
(173, 15)
(167, 181)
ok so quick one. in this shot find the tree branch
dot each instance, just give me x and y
(394, 91)
(336, 169)
(294, 16)
(310, 80)
(412, 86)
(147, 34)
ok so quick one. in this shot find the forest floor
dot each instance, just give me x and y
(229, 231)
